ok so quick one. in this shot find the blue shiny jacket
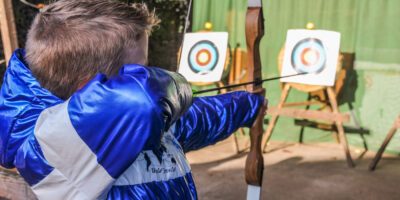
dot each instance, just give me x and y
(109, 140)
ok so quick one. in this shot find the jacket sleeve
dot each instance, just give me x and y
(93, 137)
(212, 119)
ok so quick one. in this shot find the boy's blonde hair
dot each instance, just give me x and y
(69, 42)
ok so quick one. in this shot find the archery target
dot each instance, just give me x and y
(314, 52)
(203, 56)
(309, 56)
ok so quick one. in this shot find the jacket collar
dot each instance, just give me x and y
(19, 82)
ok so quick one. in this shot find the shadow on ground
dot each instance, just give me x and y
(299, 172)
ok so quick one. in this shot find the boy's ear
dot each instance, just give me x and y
(82, 84)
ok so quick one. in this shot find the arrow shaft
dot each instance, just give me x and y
(256, 82)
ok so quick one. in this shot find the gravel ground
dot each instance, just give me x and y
(294, 171)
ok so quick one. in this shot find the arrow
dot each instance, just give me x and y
(256, 82)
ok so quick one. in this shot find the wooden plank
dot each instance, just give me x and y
(318, 125)
(305, 103)
(8, 30)
(13, 170)
(329, 126)
(13, 186)
(308, 114)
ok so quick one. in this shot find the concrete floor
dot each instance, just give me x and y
(293, 171)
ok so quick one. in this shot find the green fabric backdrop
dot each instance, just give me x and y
(369, 28)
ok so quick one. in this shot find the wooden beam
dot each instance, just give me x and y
(330, 126)
(313, 124)
(13, 170)
(8, 30)
(13, 186)
(306, 103)
(308, 114)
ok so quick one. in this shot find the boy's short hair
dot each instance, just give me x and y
(69, 42)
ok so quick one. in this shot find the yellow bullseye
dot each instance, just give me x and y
(310, 57)
(203, 57)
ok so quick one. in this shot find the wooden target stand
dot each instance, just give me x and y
(322, 95)
(395, 127)
(8, 31)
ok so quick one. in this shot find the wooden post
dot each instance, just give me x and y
(8, 30)
(396, 125)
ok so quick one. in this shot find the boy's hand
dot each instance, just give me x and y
(169, 91)
(264, 108)
(174, 93)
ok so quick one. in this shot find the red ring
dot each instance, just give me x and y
(198, 54)
(305, 63)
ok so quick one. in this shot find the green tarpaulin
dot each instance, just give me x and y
(369, 28)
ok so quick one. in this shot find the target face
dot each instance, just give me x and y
(314, 52)
(309, 56)
(203, 57)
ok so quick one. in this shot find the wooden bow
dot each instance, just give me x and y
(254, 162)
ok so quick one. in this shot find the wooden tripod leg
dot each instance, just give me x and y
(241, 132)
(274, 118)
(383, 146)
(302, 127)
(221, 84)
(8, 31)
(343, 140)
(235, 143)
(334, 132)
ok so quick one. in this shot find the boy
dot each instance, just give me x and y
(76, 125)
